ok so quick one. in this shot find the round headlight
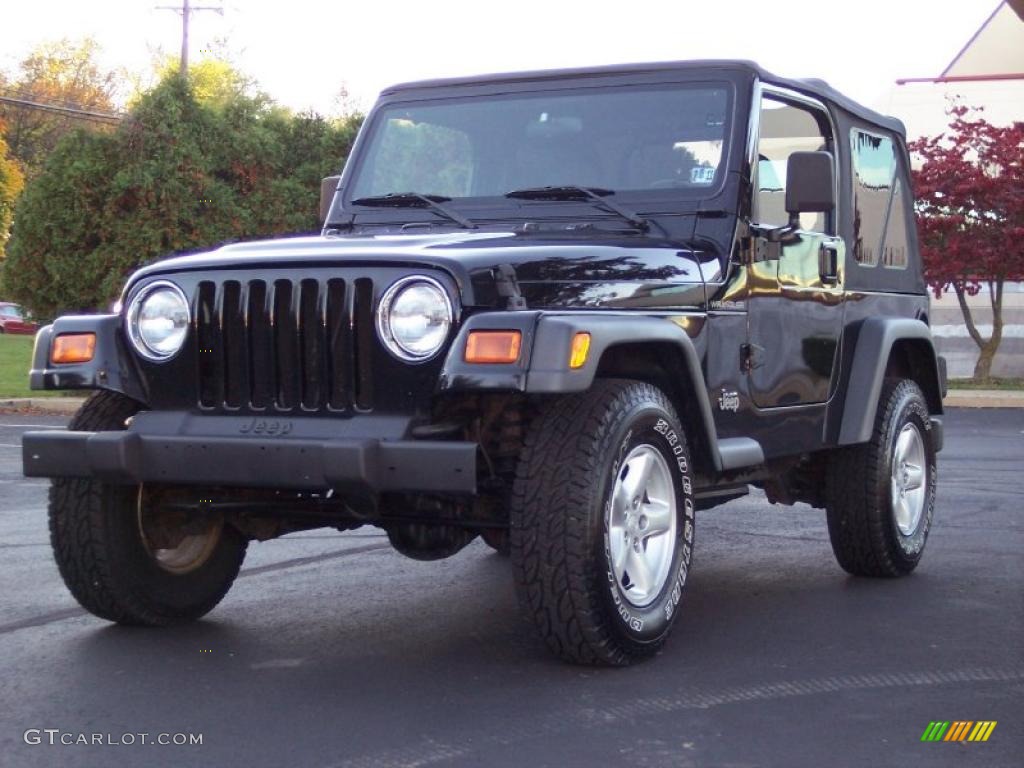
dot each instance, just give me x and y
(414, 318)
(158, 321)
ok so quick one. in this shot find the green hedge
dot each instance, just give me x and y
(178, 175)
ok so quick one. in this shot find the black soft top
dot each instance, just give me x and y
(809, 86)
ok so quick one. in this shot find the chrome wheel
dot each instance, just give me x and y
(641, 525)
(172, 546)
(909, 482)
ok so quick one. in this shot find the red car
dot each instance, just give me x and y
(12, 320)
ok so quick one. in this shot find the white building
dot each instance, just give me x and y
(988, 72)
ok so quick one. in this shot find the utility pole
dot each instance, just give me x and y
(186, 10)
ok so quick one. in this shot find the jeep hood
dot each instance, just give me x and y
(622, 271)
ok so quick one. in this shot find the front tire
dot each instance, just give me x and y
(881, 495)
(108, 549)
(602, 522)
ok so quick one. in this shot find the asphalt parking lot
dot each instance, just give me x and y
(331, 650)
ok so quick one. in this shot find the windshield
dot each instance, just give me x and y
(11, 313)
(637, 138)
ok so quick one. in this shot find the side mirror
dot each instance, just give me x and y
(810, 184)
(328, 187)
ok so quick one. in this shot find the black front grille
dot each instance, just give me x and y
(285, 344)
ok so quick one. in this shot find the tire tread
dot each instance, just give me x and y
(556, 583)
(858, 518)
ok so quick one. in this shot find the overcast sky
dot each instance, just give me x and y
(303, 51)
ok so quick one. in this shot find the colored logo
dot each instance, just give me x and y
(958, 730)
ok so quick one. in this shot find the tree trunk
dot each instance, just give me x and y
(990, 346)
(983, 368)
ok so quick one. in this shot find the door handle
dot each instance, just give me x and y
(828, 264)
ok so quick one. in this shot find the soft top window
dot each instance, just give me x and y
(880, 216)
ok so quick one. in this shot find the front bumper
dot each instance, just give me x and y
(181, 449)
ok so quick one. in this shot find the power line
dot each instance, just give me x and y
(186, 12)
(84, 114)
(27, 93)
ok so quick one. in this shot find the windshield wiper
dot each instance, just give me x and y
(417, 200)
(574, 192)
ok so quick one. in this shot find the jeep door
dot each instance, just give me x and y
(795, 300)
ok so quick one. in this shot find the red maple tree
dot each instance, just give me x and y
(969, 189)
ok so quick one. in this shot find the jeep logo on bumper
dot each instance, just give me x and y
(268, 427)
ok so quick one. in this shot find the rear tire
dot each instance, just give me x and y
(602, 522)
(881, 495)
(96, 530)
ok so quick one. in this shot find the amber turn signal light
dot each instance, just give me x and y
(73, 348)
(580, 349)
(493, 346)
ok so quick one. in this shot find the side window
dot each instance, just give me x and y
(786, 128)
(894, 244)
(880, 205)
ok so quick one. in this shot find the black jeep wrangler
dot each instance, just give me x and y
(562, 311)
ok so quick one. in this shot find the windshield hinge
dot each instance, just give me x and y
(507, 285)
(340, 226)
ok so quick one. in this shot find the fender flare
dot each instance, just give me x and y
(543, 366)
(874, 342)
(111, 367)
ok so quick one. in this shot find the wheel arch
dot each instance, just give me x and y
(651, 349)
(887, 346)
(916, 359)
(646, 348)
(663, 365)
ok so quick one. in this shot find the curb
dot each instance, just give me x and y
(984, 398)
(60, 405)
